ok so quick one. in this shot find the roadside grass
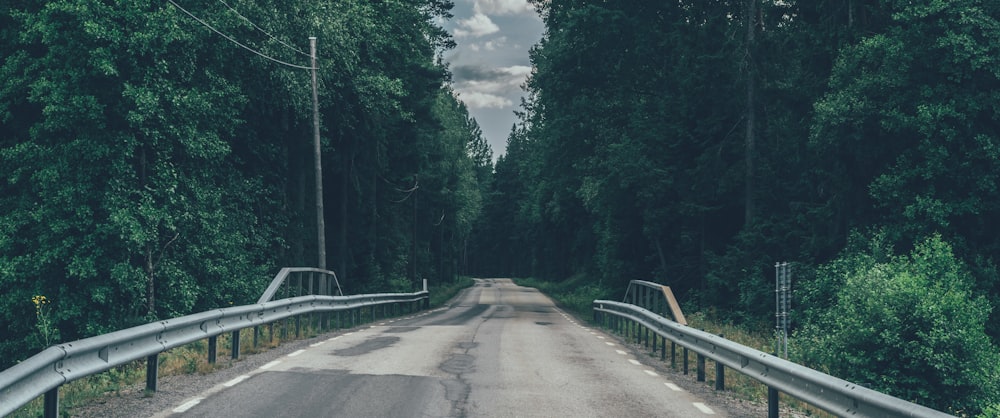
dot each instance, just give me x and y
(575, 296)
(193, 358)
(442, 293)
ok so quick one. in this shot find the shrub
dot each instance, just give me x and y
(906, 325)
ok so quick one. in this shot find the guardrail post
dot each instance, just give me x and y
(235, 345)
(51, 407)
(256, 335)
(720, 373)
(654, 343)
(701, 367)
(772, 402)
(212, 346)
(673, 355)
(720, 376)
(152, 370)
(685, 354)
(298, 326)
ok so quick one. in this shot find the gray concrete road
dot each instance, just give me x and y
(499, 351)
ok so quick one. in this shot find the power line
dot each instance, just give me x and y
(230, 39)
(262, 30)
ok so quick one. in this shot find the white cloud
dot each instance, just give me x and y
(490, 45)
(482, 87)
(495, 44)
(479, 100)
(503, 7)
(476, 26)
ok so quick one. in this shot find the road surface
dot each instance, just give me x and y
(499, 350)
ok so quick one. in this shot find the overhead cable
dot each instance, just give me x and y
(264, 31)
(230, 39)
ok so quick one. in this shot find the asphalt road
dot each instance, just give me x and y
(499, 350)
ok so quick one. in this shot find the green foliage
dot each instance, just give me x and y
(150, 168)
(576, 294)
(908, 325)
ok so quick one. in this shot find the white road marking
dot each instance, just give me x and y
(270, 365)
(651, 373)
(634, 361)
(600, 337)
(673, 387)
(187, 405)
(610, 343)
(235, 381)
(621, 352)
(317, 344)
(334, 338)
(703, 408)
(297, 352)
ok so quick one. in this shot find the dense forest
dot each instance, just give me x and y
(156, 157)
(697, 143)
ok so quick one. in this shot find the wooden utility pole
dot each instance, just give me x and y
(320, 225)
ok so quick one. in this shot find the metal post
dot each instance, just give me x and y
(256, 336)
(51, 407)
(720, 376)
(212, 346)
(685, 354)
(152, 370)
(720, 373)
(320, 225)
(236, 345)
(701, 367)
(663, 350)
(673, 355)
(772, 402)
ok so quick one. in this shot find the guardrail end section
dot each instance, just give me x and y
(675, 308)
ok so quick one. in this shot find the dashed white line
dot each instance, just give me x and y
(600, 337)
(235, 381)
(270, 365)
(703, 408)
(610, 343)
(634, 361)
(297, 352)
(334, 338)
(673, 387)
(621, 352)
(651, 373)
(317, 344)
(187, 405)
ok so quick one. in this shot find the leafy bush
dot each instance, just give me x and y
(907, 325)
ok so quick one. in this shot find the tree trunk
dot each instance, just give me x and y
(750, 143)
(150, 284)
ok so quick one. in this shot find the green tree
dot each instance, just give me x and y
(908, 325)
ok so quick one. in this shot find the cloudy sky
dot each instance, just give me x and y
(490, 63)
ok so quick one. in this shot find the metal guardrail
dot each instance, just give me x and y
(63, 363)
(304, 279)
(832, 394)
(654, 297)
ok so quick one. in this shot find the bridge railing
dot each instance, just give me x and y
(45, 372)
(829, 393)
(299, 281)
